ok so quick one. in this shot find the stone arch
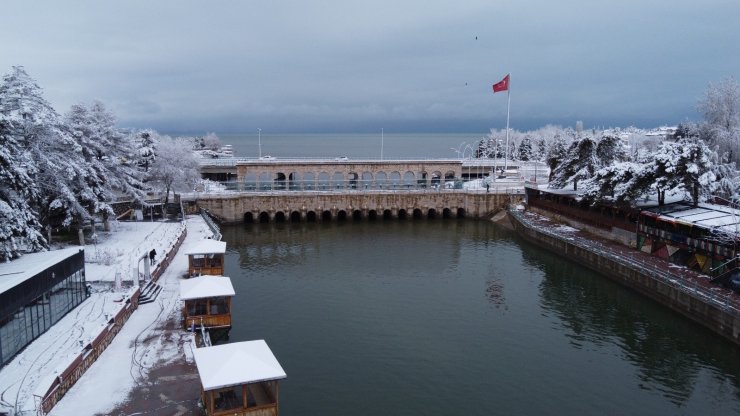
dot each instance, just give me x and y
(357, 215)
(417, 214)
(309, 181)
(461, 213)
(264, 217)
(367, 180)
(280, 217)
(372, 215)
(408, 179)
(341, 215)
(326, 215)
(280, 181)
(337, 181)
(324, 182)
(248, 218)
(381, 179)
(402, 214)
(436, 179)
(311, 216)
(449, 175)
(432, 213)
(352, 178)
(294, 181)
(295, 216)
(395, 179)
(250, 181)
(422, 180)
(265, 181)
(387, 214)
(446, 213)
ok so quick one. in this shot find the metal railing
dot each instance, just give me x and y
(646, 269)
(211, 224)
(360, 185)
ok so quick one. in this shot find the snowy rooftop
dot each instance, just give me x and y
(208, 246)
(206, 287)
(704, 215)
(236, 364)
(19, 270)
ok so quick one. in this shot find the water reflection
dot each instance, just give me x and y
(409, 306)
(670, 352)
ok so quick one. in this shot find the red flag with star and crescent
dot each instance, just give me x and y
(502, 85)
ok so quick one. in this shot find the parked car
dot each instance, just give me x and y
(268, 157)
(341, 158)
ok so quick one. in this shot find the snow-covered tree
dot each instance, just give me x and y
(541, 151)
(525, 151)
(211, 141)
(721, 104)
(60, 173)
(107, 151)
(145, 143)
(621, 183)
(610, 149)
(721, 109)
(20, 228)
(175, 167)
(579, 164)
(556, 154)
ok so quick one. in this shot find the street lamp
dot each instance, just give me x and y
(259, 140)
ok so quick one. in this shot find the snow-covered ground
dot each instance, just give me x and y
(127, 359)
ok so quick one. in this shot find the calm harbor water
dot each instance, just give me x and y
(445, 317)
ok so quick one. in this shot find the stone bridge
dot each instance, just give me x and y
(301, 206)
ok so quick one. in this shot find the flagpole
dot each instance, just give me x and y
(508, 107)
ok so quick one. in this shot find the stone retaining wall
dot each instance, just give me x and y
(711, 311)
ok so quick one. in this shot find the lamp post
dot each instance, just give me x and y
(259, 140)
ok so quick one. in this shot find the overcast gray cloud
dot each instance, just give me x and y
(359, 66)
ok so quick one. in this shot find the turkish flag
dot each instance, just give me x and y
(502, 85)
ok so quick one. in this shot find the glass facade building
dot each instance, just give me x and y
(36, 291)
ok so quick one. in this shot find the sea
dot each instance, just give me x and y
(381, 145)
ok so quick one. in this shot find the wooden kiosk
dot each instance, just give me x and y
(240, 379)
(207, 257)
(207, 301)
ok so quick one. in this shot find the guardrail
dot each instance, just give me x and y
(211, 224)
(696, 291)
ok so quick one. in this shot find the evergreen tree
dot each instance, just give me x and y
(525, 152)
(610, 149)
(20, 229)
(145, 143)
(556, 154)
(580, 163)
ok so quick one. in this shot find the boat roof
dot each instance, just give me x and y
(236, 364)
(206, 287)
(208, 246)
(27, 266)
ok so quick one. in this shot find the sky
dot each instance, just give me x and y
(358, 66)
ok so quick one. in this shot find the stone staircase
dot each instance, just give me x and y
(149, 292)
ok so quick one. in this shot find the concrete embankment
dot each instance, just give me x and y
(716, 310)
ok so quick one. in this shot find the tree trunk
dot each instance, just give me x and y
(81, 236)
